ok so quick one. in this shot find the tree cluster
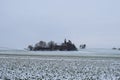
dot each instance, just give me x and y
(82, 46)
(52, 46)
(115, 48)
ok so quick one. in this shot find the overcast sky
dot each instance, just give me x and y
(94, 22)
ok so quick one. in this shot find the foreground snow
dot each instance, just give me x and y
(58, 68)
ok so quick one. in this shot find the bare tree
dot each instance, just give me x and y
(30, 47)
(51, 45)
(42, 44)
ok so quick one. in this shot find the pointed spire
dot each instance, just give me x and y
(65, 41)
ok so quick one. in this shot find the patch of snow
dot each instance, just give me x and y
(58, 68)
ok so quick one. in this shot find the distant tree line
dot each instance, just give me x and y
(52, 46)
(115, 48)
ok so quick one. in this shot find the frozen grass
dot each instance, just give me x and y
(59, 68)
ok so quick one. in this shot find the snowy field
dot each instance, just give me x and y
(58, 68)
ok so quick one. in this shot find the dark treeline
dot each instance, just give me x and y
(52, 46)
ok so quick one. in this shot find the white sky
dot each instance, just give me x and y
(94, 22)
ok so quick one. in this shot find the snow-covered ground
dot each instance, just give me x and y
(59, 68)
